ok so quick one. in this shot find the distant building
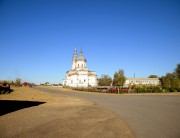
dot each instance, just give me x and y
(144, 81)
(80, 76)
(25, 84)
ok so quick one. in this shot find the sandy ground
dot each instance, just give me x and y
(55, 115)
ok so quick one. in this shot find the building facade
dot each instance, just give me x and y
(143, 81)
(79, 75)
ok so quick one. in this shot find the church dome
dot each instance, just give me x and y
(81, 57)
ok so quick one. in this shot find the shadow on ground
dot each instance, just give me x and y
(8, 106)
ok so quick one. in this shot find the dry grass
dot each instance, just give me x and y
(60, 116)
(30, 94)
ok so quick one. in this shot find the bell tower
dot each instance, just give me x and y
(74, 58)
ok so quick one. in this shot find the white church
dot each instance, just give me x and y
(80, 76)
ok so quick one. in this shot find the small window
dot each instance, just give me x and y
(84, 80)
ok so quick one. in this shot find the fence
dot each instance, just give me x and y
(103, 89)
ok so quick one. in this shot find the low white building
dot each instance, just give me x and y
(80, 76)
(144, 81)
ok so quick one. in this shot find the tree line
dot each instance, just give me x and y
(118, 80)
(168, 83)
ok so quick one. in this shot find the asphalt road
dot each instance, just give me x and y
(149, 116)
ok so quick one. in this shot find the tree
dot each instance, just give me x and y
(170, 82)
(153, 76)
(165, 82)
(18, 82)
(177, 71)
(105, 80)
(47, 83)
(119, 78)
(175, 85)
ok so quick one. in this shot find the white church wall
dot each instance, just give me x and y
(92, 81)
(83, 80)
(80, 64)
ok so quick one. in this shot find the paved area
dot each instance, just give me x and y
(151, 116)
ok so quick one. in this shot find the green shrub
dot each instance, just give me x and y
(147, 89)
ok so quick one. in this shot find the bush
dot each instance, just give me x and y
(147, 89)
(5, 88)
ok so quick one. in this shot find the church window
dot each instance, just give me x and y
(84, 80)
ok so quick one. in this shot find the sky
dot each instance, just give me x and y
(38, 37)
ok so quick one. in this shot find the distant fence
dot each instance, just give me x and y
(103, 89)
(133, 89)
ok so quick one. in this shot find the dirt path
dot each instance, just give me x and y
(54, 115)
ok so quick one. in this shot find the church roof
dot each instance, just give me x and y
(81, 57)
